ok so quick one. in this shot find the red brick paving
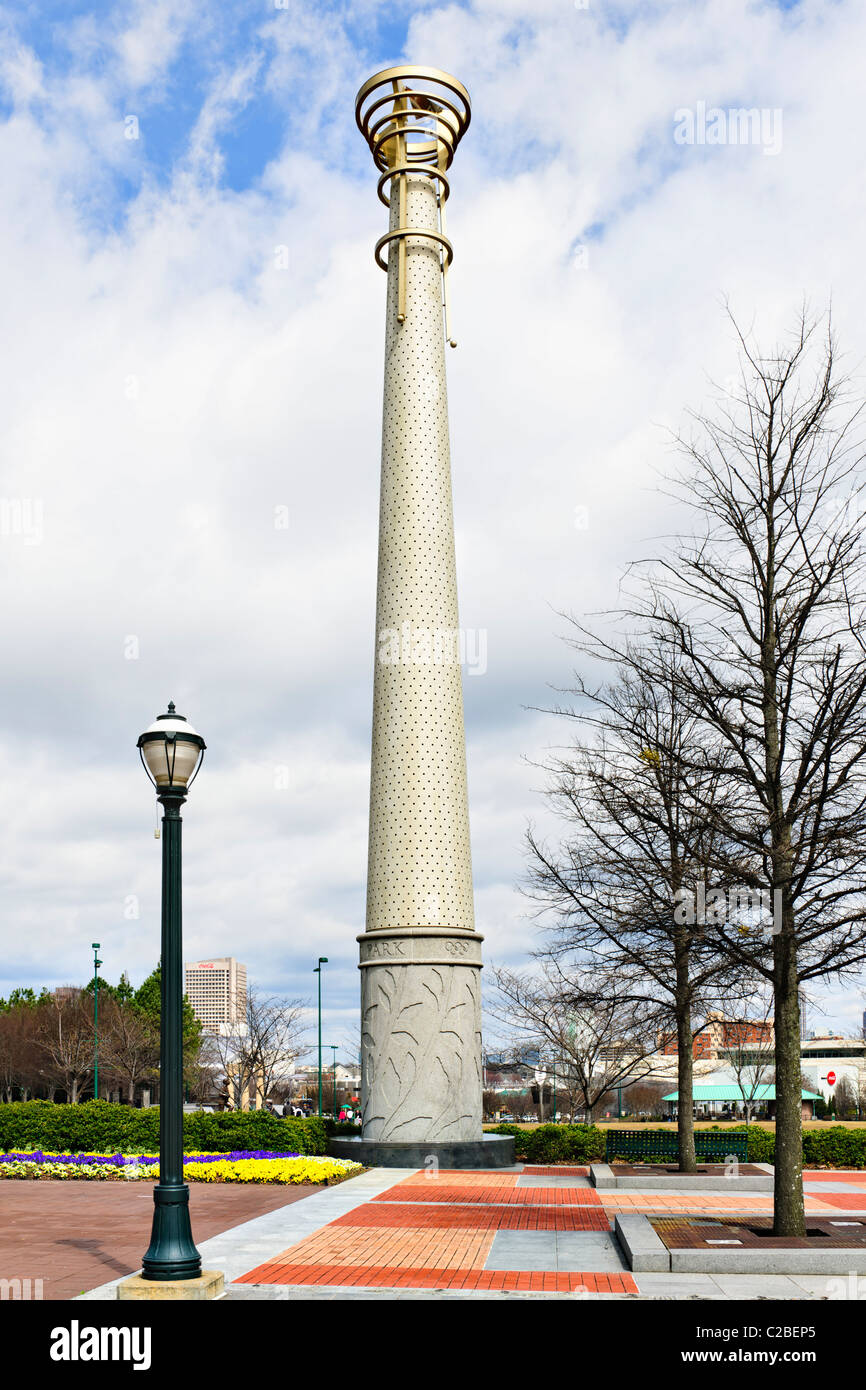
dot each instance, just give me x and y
(342, 1276)
(397, 1214)
(832, 1175)
(76, 1235)
(844, 1201)
(437, 1233)
(492, 1196)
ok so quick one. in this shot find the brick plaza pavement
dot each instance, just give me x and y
(528, 1232)
(532, 1229)
(74, 1235)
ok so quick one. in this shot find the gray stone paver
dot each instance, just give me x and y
(545, 1180)
(582, 1252)
(590, 1252)
(758, 1285)
(849, 1188)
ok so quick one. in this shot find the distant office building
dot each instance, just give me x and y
(217, 991)
(803, 1016)
(64, 994)
(720, 1036)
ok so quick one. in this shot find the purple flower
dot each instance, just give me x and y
(122, 1161)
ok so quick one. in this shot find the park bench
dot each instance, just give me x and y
(710, 1146)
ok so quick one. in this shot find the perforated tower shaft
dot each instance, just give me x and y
(420, 954)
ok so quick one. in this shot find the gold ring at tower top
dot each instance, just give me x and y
(413, 115)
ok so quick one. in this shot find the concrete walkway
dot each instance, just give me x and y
(516, 1233)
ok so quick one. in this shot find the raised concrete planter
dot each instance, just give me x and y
(732, 1260)
(604, 1177)
(644, 1251)
(492, 1151)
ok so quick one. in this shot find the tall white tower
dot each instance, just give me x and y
(420, 954)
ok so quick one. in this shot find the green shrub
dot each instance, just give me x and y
(762, 1142)
(97, 1126)
(834, 1147)
(521, 1139)
(555, 1143)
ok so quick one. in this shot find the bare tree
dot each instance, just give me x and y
(638, 840)
(129, 1046)
(599, 1041)
(65, 1036)
(846, 1096)
(262, 1045)
(762, 610)
(645, 1098)
(491, 1101)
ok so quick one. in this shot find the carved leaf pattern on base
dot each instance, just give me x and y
(421, 1038)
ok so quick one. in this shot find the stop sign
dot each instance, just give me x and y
(831, 1078)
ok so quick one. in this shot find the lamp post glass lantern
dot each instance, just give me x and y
(171, 753)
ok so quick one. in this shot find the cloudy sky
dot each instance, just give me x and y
(192, 355)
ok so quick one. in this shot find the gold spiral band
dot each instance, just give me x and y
(413, 94)
(411, 169)
(412, 231)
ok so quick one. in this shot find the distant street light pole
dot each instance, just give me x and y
(333, 1047)
(96, 964)
(171, 754)
(540, 1078)
(553, 1117)
(323, 960)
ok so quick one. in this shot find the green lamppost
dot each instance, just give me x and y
(171, 753)
(323, 960)
(96, 964)
(333, 1047)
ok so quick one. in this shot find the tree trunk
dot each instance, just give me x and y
(685, 1091)
(73, 1093)
(685, 1052)
(788, 1208)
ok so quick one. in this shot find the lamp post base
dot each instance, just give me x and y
(209, 1284)
(171, 1254)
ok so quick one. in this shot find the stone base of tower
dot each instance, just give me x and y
(491, 1151)
(421, 1074)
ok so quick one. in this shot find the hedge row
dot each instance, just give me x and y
(555, 1143)
(97, 1126)
(833, 1147)
(830, 1147)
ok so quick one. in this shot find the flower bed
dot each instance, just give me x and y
(239, 1165)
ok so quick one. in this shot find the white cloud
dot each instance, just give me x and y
(166, 387)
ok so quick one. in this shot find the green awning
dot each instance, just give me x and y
(734, 1093)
